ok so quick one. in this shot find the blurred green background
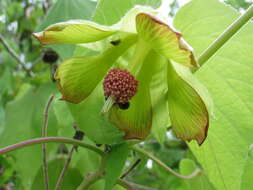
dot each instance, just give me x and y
(18, 20)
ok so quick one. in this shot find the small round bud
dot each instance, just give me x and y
(78, 135)
(50, 56)
(120, 85)
(124, 106)
(115, 42)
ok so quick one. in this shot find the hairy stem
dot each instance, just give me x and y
(163, 165)
(65, 167)
(15, 56)
(225, 36)
(35, 141)
(44, 147)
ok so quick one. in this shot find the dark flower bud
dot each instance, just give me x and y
(50, 56)
(124, 106)
(115, 42)
(78, 135)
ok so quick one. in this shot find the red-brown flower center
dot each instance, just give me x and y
(120, 85)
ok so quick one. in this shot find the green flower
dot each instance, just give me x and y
(157, 56)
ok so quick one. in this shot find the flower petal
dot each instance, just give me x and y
(188, 111)
(73, 32)
(78, 76)
(136, 121)
(128, 22)
(164, 40)
(158, 90)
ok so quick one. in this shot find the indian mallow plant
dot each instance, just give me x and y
(143, 64)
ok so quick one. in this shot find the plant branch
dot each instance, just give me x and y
(225, 36)
(15, 56)
(126, 184)
(65, 167)
(35, 141)
(131, 168)
(163, 165)
(78, 136)
(92, 178)
(133, 186)
(44, 147)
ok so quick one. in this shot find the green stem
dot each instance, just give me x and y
(44, 146)
(90, 180)
(35, 141)
(132, 186)
(163, 165)
(225, 36)
(65, 167)
(87, 182)
(131, 168)
(126, 185)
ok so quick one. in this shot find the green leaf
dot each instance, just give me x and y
(64, 118)
(73, 32)
(86, 162)
(6, 82)
(2, 118)
(88, 116)
(15, 131)
(118, 187)
(109, 12)
(199, 182)
(246, 179)
(72, 178)
(164, 40)
(188, 112)
(228, 78)
(64, 10)
(7, 163)
(115, 162)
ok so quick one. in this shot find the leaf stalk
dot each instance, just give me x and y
(225, 36)
(164, 166)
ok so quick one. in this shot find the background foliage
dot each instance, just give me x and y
(225, 156)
